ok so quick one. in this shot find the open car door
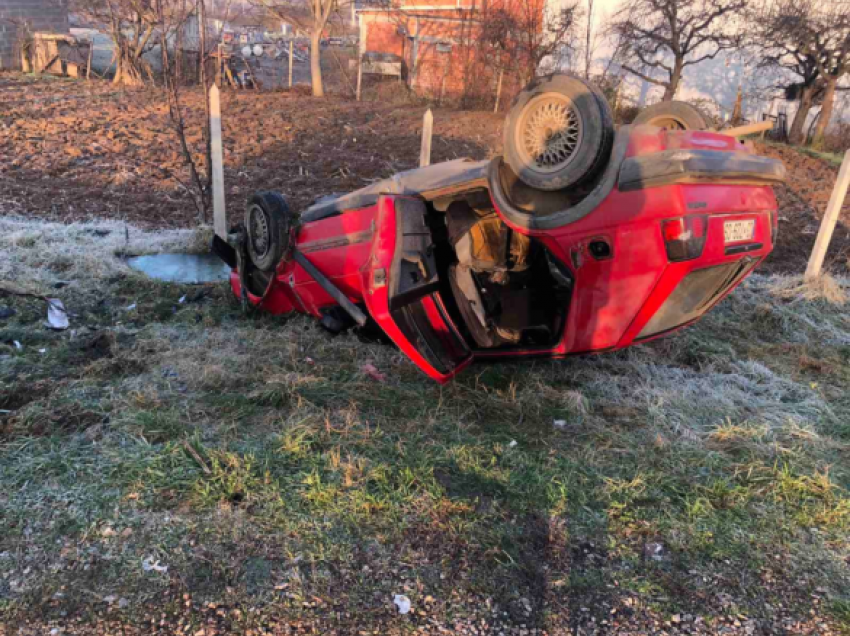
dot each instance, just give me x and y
(401, 290)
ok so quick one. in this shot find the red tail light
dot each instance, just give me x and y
(673, 230)
(685, 237)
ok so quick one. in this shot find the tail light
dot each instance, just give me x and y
(685, 237)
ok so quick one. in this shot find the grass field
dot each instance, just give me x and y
(830, 157)
(180, 466)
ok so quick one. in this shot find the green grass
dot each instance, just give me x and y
(253, 458)
(830, 157)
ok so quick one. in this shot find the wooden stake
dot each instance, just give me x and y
(427, 134)
(251, 73)
(749, 129)
(291, 57)
(89, 61)
(499, 90)
(219, 71)
(359, 78)
(219, 210)
(830, 218)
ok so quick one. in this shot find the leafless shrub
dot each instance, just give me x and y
(824, 287)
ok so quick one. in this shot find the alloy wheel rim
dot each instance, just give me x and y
(259, 230)
(550, 133)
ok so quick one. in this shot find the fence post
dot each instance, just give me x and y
(90, 58)
(830, 218)
(427, 134)
(359, 77)
(499, 90)
(217, 151)
(291, 56)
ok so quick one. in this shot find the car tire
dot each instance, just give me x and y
(558, 133)
(672, 116)
(268, 221)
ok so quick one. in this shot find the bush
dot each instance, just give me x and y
(837, 139)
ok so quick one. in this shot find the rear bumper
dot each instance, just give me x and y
(671, 167)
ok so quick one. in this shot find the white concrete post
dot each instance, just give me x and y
(830, 218)
(427, 134)
(291, 57)
(219, 209)
(359, 78)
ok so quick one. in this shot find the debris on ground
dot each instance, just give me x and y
(57, 317)
(151, 565)
(372, 371)
(403, 603)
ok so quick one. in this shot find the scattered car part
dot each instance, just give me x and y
(57, 316)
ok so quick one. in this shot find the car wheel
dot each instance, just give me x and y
(672, 116)
(559, 133)
(268, 221)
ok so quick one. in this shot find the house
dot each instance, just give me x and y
(439, 41)
(19, 18)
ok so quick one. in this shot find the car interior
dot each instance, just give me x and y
(503, 287)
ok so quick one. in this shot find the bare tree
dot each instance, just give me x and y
(666, 36)
(169, 23)
(811, 41)
(588, 39)
(830, 47)
(132, 25)
(310, 16)
(524, 33)
(778, 30)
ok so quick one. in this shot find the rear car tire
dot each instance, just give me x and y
(672, 116)
(559, 133)
(268, 221)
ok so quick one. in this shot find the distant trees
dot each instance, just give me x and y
(521, 34)
(811, 41)
(830, 37)
(664, 37)
(310, 16)
(131, 25)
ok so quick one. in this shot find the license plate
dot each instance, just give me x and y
(738, 231)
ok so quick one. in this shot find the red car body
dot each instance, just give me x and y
(627, 286)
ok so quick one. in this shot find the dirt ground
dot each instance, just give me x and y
(802, 202)
(71, 150)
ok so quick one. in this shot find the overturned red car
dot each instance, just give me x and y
(579, 239)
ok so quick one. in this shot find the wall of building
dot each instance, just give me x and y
(438, 41)
(18, 16)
